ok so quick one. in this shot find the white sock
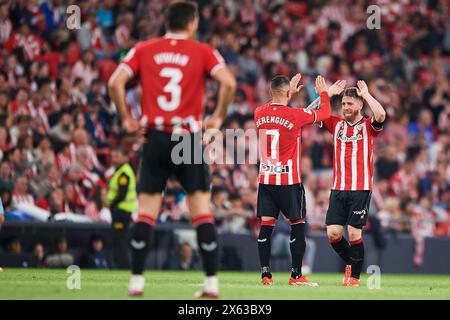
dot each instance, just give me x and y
(211, 284)
(137, 280)
(137, 276)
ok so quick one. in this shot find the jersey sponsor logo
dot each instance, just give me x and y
(360, 212)
(268, 168)
(348, 139)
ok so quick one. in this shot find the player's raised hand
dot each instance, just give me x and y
(321, 85)
(337, 88)
(362, 90)
(294, 84)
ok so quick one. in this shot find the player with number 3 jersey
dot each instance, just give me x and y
(172, 72)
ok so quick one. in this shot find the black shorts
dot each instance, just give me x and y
(290, 200)
(157, 164)
(348, 207)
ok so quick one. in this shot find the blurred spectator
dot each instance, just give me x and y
(54, 203)
(63, 129)
(237, 218)
(39, 253)
(2, 214)
(73, 192)
(387, 164)
(219, 202)
(24, 39)
(423, 127)
(6, 176)
(96, 257)
(20, 193)
(13, 246)
(53, 11)
(6, 26)
(186, 259)
(60, 258)
(57, 125)
(174, 207)
(85, 68)
(44, 154)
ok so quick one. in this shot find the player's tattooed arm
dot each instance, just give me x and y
(379, 113)
(334, 90)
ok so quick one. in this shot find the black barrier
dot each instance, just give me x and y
(238, 252)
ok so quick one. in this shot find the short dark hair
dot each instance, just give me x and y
(278, 82)
(179, 14)
(352, 92)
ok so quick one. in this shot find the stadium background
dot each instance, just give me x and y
(57, 125)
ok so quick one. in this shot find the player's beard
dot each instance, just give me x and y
(351, 116)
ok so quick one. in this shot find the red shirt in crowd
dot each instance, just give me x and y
(30, 43)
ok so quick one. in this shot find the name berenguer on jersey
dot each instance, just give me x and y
(274, 119)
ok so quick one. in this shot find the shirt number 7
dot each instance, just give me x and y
(274, 142)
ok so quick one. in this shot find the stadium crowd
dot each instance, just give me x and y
(57, 125)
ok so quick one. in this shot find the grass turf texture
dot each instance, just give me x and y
(166, 285)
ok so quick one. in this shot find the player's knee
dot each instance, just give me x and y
(354, 234)
(140, 235)
(267, 226)
(198, 203)
(268, 221)
(333, 234)
(206, 233)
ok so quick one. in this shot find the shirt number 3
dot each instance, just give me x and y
(172, 87)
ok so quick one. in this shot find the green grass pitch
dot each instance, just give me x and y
(166, 285)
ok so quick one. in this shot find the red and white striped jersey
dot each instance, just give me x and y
(22, 198)
(353, 153)
(31, 44)
(5, 30)
(279, 142)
